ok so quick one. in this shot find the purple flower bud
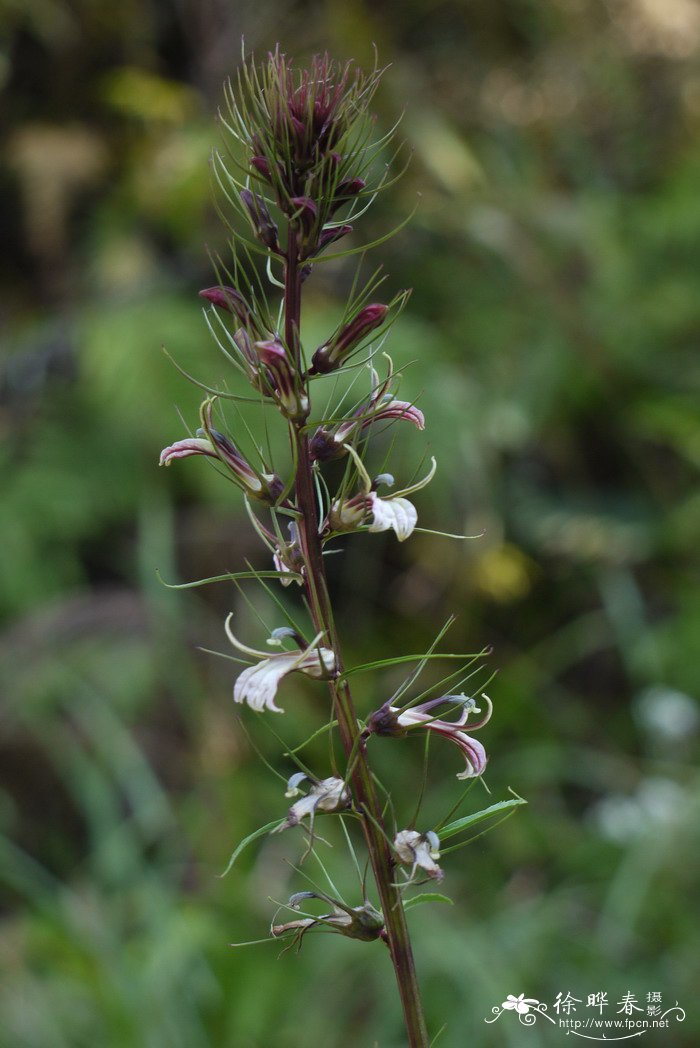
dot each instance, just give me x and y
(288, 390)
(331, 355)
(350, 188)
(331, 236)
(232, 301)
(262, 167)
(306, 211)
(261, 219)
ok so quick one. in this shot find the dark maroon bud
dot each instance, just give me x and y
(306, 211)
(331, 236)
(350, 188)
(263, 226)
(229, 299)
(331, 355)
(289, 393)
(345, 191)
(262, 167)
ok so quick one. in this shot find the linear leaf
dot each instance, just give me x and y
(470, 820)
(426, 897)
(261, 830)
(406, 658)
(230, 577)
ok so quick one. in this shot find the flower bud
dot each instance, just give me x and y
(267, 487)
(350, 188)
(348, 514)
(306, 211)
(232, 301)
(345, 191)
(262, 167)
(289, 391)
(261, 219)
(331, 355)
(331, 236)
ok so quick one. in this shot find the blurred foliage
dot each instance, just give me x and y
(554, 327)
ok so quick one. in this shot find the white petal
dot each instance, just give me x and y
(397, 514)
(404, 843)
(258, 684)
(238, 644)
(330, 794)
(317, 662)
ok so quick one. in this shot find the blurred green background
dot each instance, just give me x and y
(554, 326)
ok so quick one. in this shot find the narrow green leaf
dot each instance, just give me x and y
(261, 830)
(378, 663)
(426, 897)
(470, 820)
(230, 577)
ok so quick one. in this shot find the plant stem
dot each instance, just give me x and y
(361, 780)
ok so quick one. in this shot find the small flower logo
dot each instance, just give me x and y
(520, 1004)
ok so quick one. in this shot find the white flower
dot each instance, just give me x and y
(419, 849)
(328, 795)
(257, 685)
(393, 513)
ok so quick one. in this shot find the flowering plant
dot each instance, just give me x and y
(300, 170)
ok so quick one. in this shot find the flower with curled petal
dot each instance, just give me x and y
(267, 487)
(330, 442)
(257, 685)
(419, 849)
(394, 721)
